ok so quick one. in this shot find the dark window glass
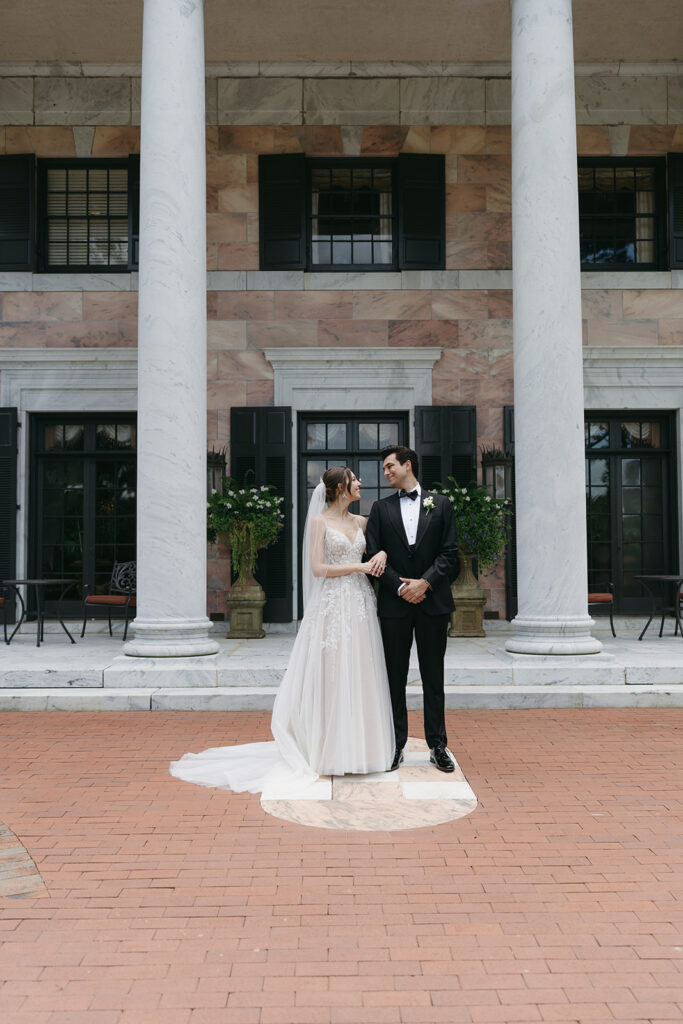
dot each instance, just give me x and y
(84, 215)
(621, 211)
(597, 435)
(641, 434)
(352, 216)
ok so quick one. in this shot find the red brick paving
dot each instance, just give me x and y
(559, 900)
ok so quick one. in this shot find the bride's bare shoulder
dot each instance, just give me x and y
(362, 522)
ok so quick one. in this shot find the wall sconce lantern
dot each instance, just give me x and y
(496, 467)
(215, 470)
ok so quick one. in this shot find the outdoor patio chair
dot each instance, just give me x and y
(121, 594)
(603, 599)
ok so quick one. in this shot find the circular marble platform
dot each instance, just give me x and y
(417, 795)
(19, 877)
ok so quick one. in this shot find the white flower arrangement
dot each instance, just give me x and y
(428, 504)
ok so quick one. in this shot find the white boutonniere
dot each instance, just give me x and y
(428, 504)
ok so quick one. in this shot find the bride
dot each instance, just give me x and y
(332, 714)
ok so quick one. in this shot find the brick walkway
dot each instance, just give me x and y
(559, 899)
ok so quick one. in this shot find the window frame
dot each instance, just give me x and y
(50, 163)
(658, 164)
(317, 163)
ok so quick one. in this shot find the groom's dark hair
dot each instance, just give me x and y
(403, 455)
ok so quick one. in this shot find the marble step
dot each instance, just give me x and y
(235, 698)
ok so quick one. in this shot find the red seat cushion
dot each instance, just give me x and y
(110, 600)
(600, 598)
(2, 601)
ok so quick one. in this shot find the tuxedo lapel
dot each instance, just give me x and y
(396, 519)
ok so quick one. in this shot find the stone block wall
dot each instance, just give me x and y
(465, 310)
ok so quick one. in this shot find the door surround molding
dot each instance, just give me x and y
(61, 380)
(623, 378)
(349, 379)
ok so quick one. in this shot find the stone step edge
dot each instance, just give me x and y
(477, 697)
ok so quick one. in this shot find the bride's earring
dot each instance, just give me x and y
(343, 494)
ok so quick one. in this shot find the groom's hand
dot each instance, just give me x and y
(413, 591)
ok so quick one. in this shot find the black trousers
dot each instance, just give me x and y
(430, 633)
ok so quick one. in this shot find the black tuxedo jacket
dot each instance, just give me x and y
(432, 557)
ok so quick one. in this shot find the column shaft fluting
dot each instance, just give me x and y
(171, 539)
(547, 338)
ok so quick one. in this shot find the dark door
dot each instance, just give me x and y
(340, 439)
(83, 496)
(630, 503)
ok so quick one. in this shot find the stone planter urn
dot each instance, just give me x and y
(245, 600)
(469, 597)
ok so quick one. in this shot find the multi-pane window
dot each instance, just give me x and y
(352, 215)
(621, 214)
(629, 504)
(87, 215)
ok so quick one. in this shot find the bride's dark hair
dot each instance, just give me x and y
(334, 476)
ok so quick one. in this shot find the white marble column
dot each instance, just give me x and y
(171, 542)
(549, 434)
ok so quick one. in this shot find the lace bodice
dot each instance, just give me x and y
(339, 549)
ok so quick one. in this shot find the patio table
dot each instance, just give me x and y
(38, 587)
(658, 605)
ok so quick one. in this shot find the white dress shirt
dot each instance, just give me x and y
(410, 514)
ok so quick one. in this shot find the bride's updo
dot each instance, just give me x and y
(334, 476)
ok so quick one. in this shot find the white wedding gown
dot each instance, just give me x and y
(332, 714)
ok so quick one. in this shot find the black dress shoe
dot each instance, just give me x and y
(442, 759)
(398, 759)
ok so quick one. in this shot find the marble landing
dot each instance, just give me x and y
(417, 795)
(245, 674)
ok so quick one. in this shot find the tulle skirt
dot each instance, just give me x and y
(332, 714)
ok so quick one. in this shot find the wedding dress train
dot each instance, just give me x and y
(332, 714)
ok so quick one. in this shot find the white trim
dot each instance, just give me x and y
(320, 69)
(61, 380)
(312, 379)
(299, 280)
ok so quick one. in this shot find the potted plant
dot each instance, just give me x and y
(481, 527)
(246, 520)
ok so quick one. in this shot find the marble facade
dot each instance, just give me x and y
(465, 311)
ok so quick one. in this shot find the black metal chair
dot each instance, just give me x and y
(602, 599)
(121, 594)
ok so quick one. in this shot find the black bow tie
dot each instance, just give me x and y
(407, 494)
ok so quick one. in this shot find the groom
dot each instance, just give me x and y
(416, 528)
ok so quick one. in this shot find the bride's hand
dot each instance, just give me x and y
(377, 564)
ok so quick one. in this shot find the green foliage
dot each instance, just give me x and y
(246, 518)
(480, 521)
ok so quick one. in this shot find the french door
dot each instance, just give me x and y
(343, 439)
(83, 493)
(630, 503)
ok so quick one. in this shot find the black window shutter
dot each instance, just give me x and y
(446, 443)
(261, 444)
(511, 549)
(421, 212)
(17, 212)
(282, 212)
(675, 166)
(8, 503)
(133, 211)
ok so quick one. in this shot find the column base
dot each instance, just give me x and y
(181, 638)
(553, 635)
